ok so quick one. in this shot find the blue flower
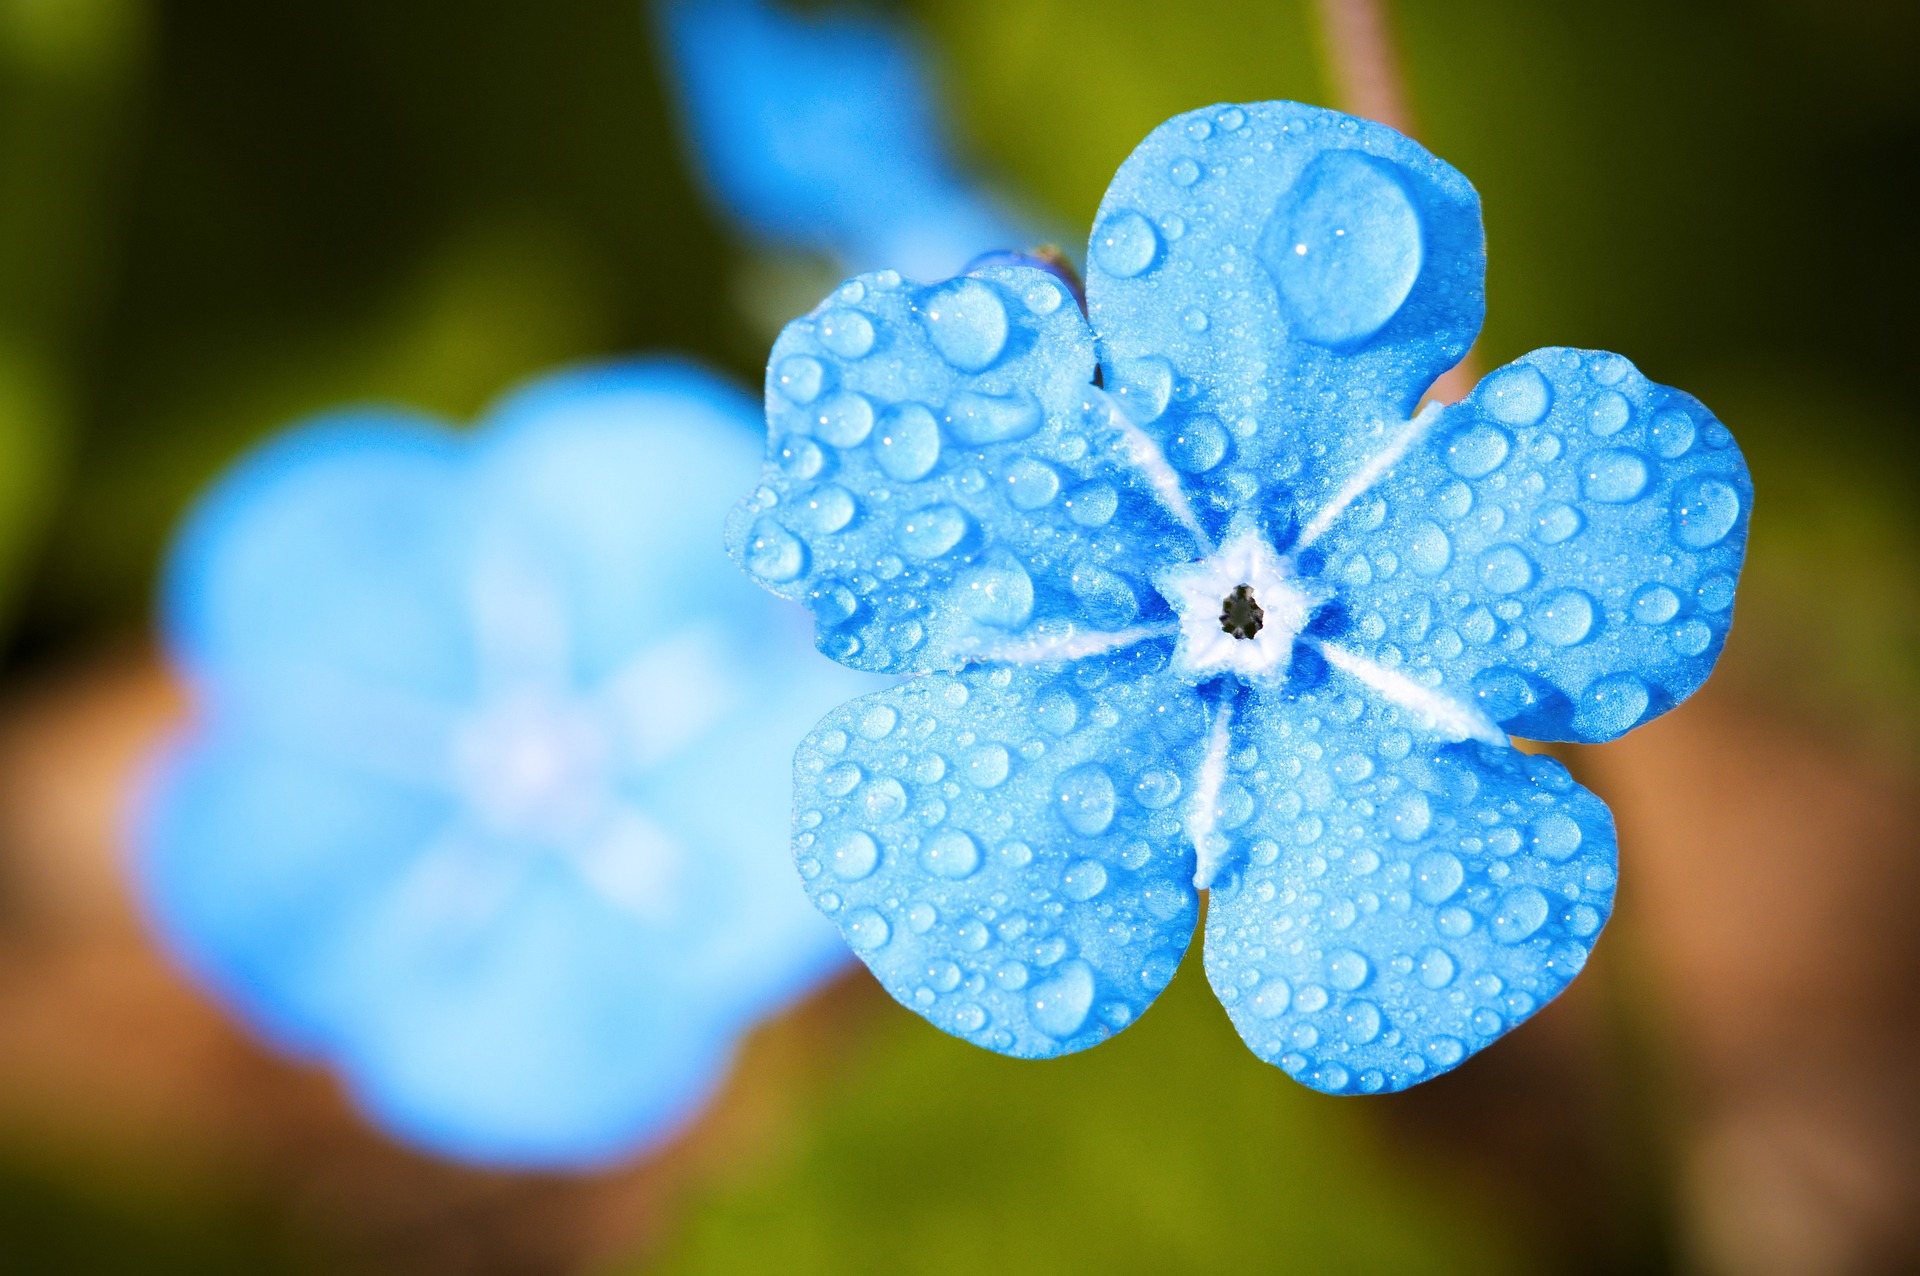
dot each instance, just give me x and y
(486, 797)
(821, 133)
(1202, 603)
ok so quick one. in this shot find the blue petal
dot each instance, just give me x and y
(1003, 846)
(1561, 548)
(944, 480)
(1298, 277)
(334, 547)
(821, 132)
(1398, 905)
(252, 860)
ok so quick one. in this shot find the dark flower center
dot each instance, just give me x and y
(1240, 614)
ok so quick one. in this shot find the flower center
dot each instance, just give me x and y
(1240, 613)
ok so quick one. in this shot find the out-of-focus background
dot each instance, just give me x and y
(216, 216)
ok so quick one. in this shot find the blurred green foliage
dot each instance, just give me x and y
(1169, 1149)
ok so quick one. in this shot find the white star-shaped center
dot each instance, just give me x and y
(1201, 590)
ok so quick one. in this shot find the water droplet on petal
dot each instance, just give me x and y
(1614, 476)
(1505, 569)
(1083, 880)
(867, 930)
(931, 532)
(1344, 248)
(1521, 912)
(1556, 836)
(1673, 434)
(967, 323)
(908, 443)
(1272, 1000)
(999, 594)
(1477, 450)
(1347, 969)
(843, 420)
(1183, 172)
(980, 419)
(1434, 967)
(987, 765)
(1428, 550)
(1059, 1006)
(800, 378)
(1436, 876)
(773, 553)
(950, 854)
(1555, 523)
(1086, 799)
(1655, 605)
(1611, 705)
(1608, 412)
(847, 333)
(853, 856)
(1031, 484)
(1409, 816)
(1564, 618)
(1156, 789)
(1125, 245)
(1516, 395)
(1704, 511)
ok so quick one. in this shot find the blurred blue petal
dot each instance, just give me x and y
(489, 805)
(1001, 846)
(1360, 604)
(820, 132)
(1395, 904)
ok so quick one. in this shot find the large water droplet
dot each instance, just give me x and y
(1273, 998)
(1344, 248)
(1409, 816)
(1347, 969)
(1704, 511)
(1477, 450)
(1555, 522)
(1362, 1023)
(1611, 705)
(1198, 445)
(1435, 967)
(1521, 911)
(1156, 789)
(931, 532)
(1428, 550)
(854, 855)
(843, 420)
(1086, 799)
(1143, 386)
(1516, 395)
(867, 930)
(1614, 476)
(1125, 245)
(1673, 434)
(967, 323)
(1436, 876)
(1031, 484)
(980, 419)
(951, 854)
(1083, 880)
(998, 594)
(773, 553)
(1655, 605)
(1556, 836)
(847, 333)
(1504, 569)
(824, 510)
(1183, 172)
(800, 378)
(883, 799)
(909, 442)
(1564, 618)
(1059, 1006)
(1608, 412)
(987, 765)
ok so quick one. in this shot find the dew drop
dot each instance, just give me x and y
(1673, 434)
(931, 532)
(1704, 511)
(1183, 172)
(773, 553)
(1362, 1023)
(1059, 1006)
(1031, 484)
(1477, 451)
(844, 420)
(1272, 1000)
(867, 930)
(847, 333)
(967, 323)
(998, 594)
(1505, 569)
(800, 378)
(950, 854)
(1347, 969)
(987, 765)
(1125, 245)
(1436, 876)
(1608, 412)
(1564, 618)
(1086, 799)
(1517, 395)
(1556, 522)
(1409, 816)
(1428, 550)
(1556, 836)
(1614, 476)
(909, 442)
(1435, 967)
(1655, 605)
(1083, 880)
(1344, 249)
(1521, 912)
(980, 419)
(1156, 789)
(1198, 446)
(853, 856)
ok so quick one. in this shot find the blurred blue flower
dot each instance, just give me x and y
(820, 132)
(1202, 603)
(486, 800)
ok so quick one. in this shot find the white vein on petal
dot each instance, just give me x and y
(1072, 646)
(1152, 463)
(1437, 712)
(1367, 475)
(1204, 814)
